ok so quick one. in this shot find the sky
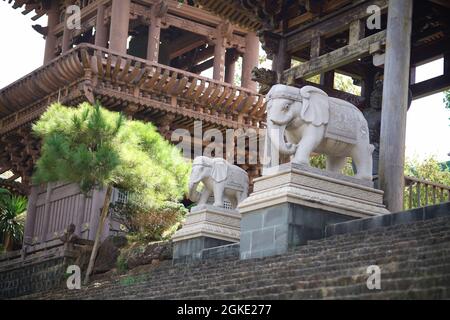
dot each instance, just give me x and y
(428, 124)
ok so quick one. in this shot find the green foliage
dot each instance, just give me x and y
(430, 170)
(147, 222)
(12, 217)
(320, 161)
(79, 145)
(345, 83)
(121, 264)
(94, 147)
(447, 99)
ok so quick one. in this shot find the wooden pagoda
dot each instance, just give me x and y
(143, 58)
(342, 36)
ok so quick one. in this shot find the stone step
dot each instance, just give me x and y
(414, 260)
(304, 271)
(299, 276)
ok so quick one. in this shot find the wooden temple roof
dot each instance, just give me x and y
(38, 7)
(268, 14)
(129, 82)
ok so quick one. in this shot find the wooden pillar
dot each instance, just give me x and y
(250, 60)
(120, 20)
(50, 41)
(230, 65)
(47, 211)
(219, 59)
(327, 79)
(31, 216)
(230, 71)
(81, 209)
(281, 60)
(154, 35)
(395, 103)
(101, 31)
(67, 36)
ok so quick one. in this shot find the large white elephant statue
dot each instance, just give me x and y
(219, 178)
(306, 120)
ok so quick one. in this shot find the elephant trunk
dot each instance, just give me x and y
(276, 134)
(193, 195)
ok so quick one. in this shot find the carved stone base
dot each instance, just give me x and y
(315, 188)
(294, 204)
(205, 227)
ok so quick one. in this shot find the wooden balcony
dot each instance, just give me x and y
(138, 87)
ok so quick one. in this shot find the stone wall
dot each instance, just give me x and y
(34, 278)
(414, 259)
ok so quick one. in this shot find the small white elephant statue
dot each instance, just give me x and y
(219, 178)
(306, 120)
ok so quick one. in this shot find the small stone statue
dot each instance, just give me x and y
(373, 117)
(219, 178)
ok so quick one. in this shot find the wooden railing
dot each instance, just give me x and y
(421, 193)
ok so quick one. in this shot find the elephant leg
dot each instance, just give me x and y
(362, 157)
(312, 137)
(218, 195)
(236, 199)
(336, 164)
(204, 197)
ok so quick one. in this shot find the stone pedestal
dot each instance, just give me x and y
(205, 227)
(292, 204)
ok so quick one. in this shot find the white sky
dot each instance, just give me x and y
(428, 127)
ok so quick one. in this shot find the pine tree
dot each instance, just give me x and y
(96, 148)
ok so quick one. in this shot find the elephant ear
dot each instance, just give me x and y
(220, 170)
(316, 107)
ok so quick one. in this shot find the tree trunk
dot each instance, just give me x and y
(9, 242)
(98, 235)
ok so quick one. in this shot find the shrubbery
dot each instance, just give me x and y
(146, 222)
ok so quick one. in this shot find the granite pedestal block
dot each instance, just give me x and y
(295, 203)
(205, 227)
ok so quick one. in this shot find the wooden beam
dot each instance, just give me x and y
(201, 29)
(13, 178)
(357, 31)
(333, 60)
(317, 43)
(429, 87)
(330, 25)
(444, 3)
(185, 44)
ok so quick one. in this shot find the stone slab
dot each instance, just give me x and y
(410, 216)
(213, 222)
(205, 227)
(189, 250)
(274, 230)
(317, 189)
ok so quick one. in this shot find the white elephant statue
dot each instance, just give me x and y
(306, 120)
(219, 178)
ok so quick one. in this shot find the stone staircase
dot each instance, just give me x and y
(414, 259)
